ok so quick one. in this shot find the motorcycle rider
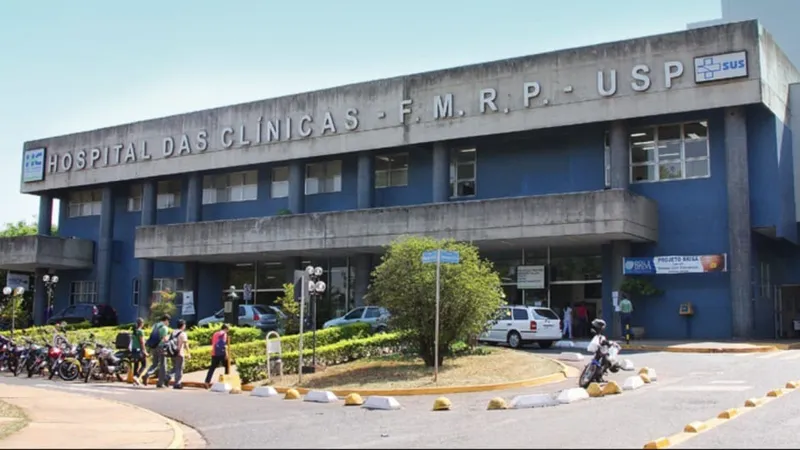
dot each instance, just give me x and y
(598, 326)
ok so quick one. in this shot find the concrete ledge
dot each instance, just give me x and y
(688, 348)
(27, 253)
(588, 216)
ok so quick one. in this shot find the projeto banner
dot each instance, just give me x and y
(671, 265)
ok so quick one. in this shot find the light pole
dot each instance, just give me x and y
(50, 283)
(316, 288)
(12, 295)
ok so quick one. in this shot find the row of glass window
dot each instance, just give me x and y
(657, 153)
(86, 291)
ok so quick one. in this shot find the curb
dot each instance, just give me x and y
(177, 433)
(655, 348)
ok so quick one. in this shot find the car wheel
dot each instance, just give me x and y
(544, 345)
(514, 340)
(380, 329)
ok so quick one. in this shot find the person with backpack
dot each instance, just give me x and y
(219, 352)
(156, 343)
(138, 351)
(178, 349)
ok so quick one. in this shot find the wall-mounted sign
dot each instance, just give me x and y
(720, 67)
(33, 165)
(15, 280)
(188, 304)
(671, 265)
(530, 277)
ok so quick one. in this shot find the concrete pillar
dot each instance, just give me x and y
(619, 140)
(441, 173)
(366, 177)
(297, 188)
(146, 265)
(45, 226)
(194, 198)
(619, 250)
(105, 246)
(362, 265)
(39, 297)
(739, 237)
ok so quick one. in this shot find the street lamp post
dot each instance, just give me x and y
(12, 295)
(316, 288)
(50, 283)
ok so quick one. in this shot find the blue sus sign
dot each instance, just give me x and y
(720, 67)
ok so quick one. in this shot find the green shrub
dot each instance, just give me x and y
(254, 368)
(202, 335)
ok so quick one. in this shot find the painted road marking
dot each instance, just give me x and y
(771, 355)
(706, 388)
(794, 355)
(114, 391)
(729, 382)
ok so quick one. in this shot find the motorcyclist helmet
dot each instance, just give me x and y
(598, 325)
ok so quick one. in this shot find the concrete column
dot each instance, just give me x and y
(619, 250)
(362, 265)
(297, 188)
(45, 226)
(441, 173)
(194, 198)
(39, 297)
(739, 237)
(620, 155)
(366, 177)
(290, 265)
(191, 283)
(146, 265)
(105, 246)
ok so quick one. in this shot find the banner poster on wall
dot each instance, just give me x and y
(672, 265)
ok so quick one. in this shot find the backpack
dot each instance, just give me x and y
(153, 339)
(123, 341)
(171, 347)
(220, 348)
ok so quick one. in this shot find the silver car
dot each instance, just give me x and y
(373, 315)
(265, 318)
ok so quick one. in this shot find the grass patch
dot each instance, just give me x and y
(12, 419)
(489, 366)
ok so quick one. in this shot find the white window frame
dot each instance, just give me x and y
(279, 182)
(230, 187)
(607, 158)
(173, 284)
(168, 194)
(85, 203)
(455, 163)
(657, 162)
(329, 183)
(83, 292)
(396, 172)
(135, 198)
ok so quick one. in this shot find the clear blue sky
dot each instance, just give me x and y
(79, 65)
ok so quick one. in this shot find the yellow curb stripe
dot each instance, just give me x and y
(694, 428)
(656, 348)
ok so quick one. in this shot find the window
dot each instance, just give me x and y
(85, 203)
(354, 314)
(135, 296)
(169, 194)
(230, 187)
(83, 292)
(173, 284)
(504, 314)
(520, 314)
(607, 159)
(135, 198)
(372, 313)
(391, 170)
(280, 182)
(670, 152)
(462, 172)
(324, 177)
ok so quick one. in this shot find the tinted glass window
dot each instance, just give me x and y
(372, 313)
(546, 313)
(355, 314)
(261, 310)
(520, 314)
(241, 311)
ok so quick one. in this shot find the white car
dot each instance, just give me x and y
(519, 325)
(373, 315)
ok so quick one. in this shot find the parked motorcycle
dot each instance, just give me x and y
(24, 355)
(605, 359)
(76, 361)
(105, 363)
(41, 359)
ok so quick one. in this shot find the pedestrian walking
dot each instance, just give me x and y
(180, 341)
(582, 314)
(138, 351)
(219, 352)
(568, 321)
(625, 313)
(156, 344)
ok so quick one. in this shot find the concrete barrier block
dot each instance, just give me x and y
(353, 399)
(570, 356)
(632, 383)
(572, 395)
(651, 373)
(321, 397)
(291, 394)
(611, 388)
(221, 387)
(564, 344)
(442, 404)
(383, 403)
(627, 365)
(594, 390)
(497, 403)
(695, 427)
(264, 391)
(533, 401)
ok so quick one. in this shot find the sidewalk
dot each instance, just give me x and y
(61, 420)
(695, 346)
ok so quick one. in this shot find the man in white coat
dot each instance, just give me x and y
(568, 321)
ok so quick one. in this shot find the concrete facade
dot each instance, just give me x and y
(537, 160)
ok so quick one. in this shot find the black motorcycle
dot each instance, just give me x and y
(107, 363)
(605, 359)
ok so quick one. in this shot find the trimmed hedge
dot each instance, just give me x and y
(254, 368)
(202, 335)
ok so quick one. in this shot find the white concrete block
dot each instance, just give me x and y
(320, 397)
(378, 402)
(221, 387)
(533, 401)
(632, 383)
(627, 365)
(264, 391)
(570, 356)
(564, 344)
(572, 395)
(651, 373)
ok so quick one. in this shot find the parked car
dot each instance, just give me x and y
(265, 318)
(98, 315)
(376, 316)
(520, 325)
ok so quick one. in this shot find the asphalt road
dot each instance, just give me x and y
(690, 387)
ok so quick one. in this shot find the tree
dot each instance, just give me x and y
(165, 304)
(291, 308)
(22, 228)
(470, 293)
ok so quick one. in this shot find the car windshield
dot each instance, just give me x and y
(261, 310)
(546, 313)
